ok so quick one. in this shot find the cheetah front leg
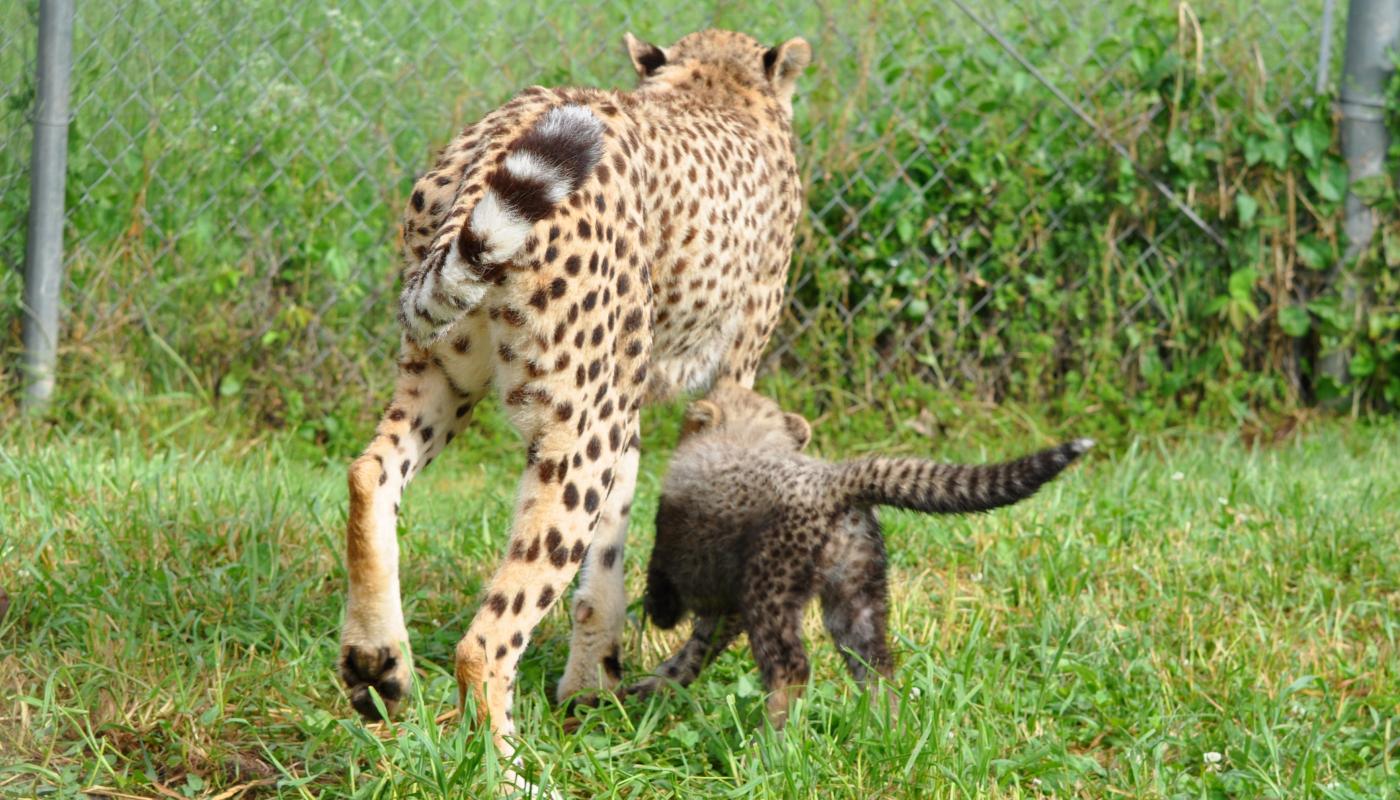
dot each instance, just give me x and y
(558, 508)
(433, 397)
(600, 601)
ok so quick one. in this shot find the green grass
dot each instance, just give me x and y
(176, 592)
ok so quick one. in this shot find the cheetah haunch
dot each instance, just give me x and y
(581, 252)
(749, 529)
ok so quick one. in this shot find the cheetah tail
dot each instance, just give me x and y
(540, 169)
(928, 486)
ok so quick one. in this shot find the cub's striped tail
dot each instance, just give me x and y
(922, 485)
(541, 168)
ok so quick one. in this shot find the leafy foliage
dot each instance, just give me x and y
(232, 201)
(1035, 265)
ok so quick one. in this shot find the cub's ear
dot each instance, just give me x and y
(782, 64)
(700, 416)
(799, 428)
(646, 58)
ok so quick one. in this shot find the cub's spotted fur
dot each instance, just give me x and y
(749, 529)
(578, 252)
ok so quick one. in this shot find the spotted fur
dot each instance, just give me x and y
(578, 253)
(749, 529)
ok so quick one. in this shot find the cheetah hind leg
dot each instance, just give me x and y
(774, 625)
(427, 411)
(856, 615)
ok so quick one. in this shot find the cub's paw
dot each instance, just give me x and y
(385, 668)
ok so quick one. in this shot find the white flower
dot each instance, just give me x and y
(1222, 501)
(916, 693)
(1178, 476)
(1213, 758)
(976, 577)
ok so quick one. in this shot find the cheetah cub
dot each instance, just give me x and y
(749, 529)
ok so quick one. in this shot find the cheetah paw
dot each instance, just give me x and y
(386, 668)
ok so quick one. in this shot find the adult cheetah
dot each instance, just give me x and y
(582, 252)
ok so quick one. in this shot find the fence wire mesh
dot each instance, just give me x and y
(237, 170)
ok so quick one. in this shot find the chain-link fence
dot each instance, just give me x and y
(998, 195)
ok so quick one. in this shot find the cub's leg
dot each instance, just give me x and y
(709, 636)
(779, 584)
(855, 609)
(855, 605)
(433, 397)
(600, 601)
(559, 504)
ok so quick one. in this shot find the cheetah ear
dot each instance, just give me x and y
(646, 58)
(699, 416)
(800, 429)
(782, 64)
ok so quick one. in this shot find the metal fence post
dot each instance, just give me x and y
(1324, 49)
(43, 254)
(1373, 33)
